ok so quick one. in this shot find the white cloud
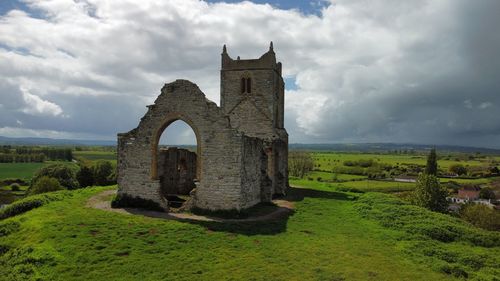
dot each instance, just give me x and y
(16, 132)
(37, 106)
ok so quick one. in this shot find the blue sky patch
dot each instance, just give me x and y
(306, 7)
(290, 83)
(9, 5)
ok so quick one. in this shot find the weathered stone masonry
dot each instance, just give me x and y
(242, 146)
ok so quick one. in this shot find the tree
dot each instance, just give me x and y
(431, 168)
(494, 170)
(430, 194)
(85, 176)
(63, 173)
(458, 169)
(102, 172)
(15, 187)
(487, 193)
(481, 216)
(45, 184)
(300, 163)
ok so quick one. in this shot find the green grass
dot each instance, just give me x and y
(95, 155)
(467, 181)
(23, 170)
(355, 186)
(328, 161)
(327, 238)
(380, 186)
(327, 176)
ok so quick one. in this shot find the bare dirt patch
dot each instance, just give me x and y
(102, 201)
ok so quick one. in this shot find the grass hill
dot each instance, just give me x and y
(331, 236)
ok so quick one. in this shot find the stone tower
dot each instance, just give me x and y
(252, 95)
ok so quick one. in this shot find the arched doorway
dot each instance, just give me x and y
(176, 159)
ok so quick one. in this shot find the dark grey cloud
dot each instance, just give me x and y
(400, 71)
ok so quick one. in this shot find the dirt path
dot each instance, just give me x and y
(101, 201)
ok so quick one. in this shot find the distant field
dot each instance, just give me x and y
(328, 161)
(22, 170)
(326, 176)
(359, 185)
(95, 155)
(19, 170)
(470, 181)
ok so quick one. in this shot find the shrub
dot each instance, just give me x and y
(102, 171)
(45, 184)
(300, 163)
(85, 176)
(481, 216)
(7, 228)
(15, 187)
(7, 182)
(487, 193)
(458, 169)
(454, 270)
(63, 173)
(127, 201)
(31, 202)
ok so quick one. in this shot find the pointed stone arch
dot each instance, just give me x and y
(169, 119)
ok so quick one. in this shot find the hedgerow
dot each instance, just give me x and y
(32, 202)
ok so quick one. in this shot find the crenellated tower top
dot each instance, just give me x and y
(252, 93)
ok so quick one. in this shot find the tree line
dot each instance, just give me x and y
(26, 154)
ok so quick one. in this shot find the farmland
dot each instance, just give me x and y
(22, 170)
(342, 171)
(95, 155)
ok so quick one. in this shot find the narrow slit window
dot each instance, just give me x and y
(249, 85)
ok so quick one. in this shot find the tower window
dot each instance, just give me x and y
(249, 85)
(246, 85)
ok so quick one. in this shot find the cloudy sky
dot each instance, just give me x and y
(356, 70)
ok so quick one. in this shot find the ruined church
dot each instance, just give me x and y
(242, 146)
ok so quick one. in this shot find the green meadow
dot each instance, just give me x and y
(93, 155)
(330, 236)
(330, 160)
(23, 170)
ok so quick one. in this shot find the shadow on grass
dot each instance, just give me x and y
(298, 194)
(267, 219)
(275, 223)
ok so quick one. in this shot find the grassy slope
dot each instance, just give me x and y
(326, 239)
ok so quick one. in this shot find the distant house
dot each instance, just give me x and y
(469, 192)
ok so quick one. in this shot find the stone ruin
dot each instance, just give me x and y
(241, 157)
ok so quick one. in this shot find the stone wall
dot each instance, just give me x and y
(176, 171)
(220, 149)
